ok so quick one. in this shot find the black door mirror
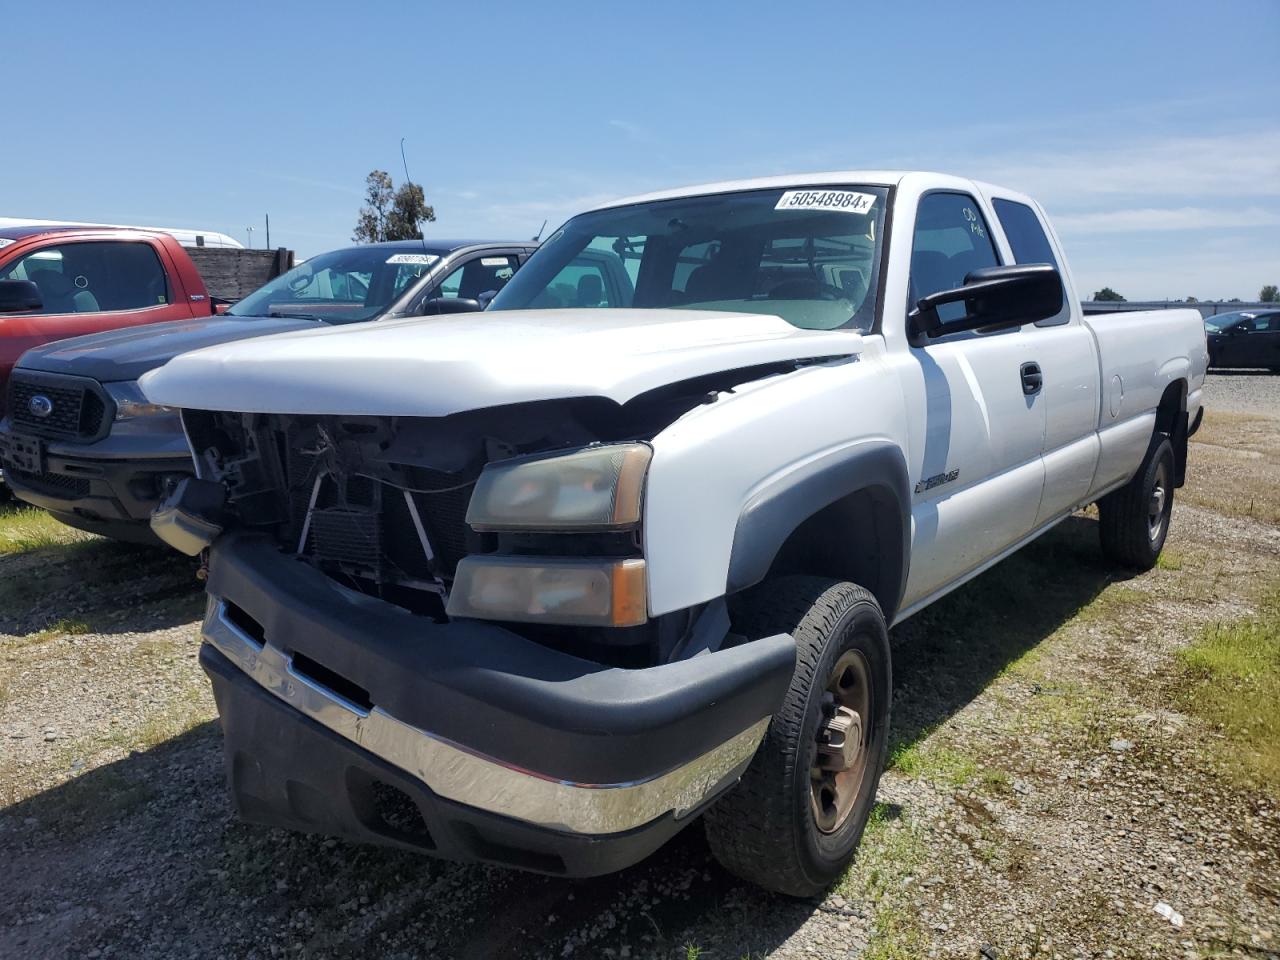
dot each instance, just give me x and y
(486, 298)
(438, 305)
(19, 296)
(995, 298)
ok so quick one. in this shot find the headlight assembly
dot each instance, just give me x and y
(131, 404)
(562, 591)
(599, 488)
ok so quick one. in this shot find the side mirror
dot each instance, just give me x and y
(19, 296)
(995, 298)
(438, 305)
(486, 298)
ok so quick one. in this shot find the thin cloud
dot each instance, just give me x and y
(1158, 218)
(1242, 165)
(317, 184)
(633, 130)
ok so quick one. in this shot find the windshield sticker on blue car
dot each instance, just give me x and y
(839, 201)
(413, 258)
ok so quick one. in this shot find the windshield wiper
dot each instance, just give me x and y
(298, 316)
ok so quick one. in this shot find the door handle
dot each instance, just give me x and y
(1032, 379)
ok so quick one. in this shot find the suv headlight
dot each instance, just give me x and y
(132, 404)
(599, 488)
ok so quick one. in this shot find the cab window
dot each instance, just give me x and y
(94, 276)
(1029, 244)
(951, 239)
(477, 276)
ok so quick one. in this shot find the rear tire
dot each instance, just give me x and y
(1134, 520)
(793, 823)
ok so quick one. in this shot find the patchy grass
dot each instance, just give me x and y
(1234, 670)
(192, 706)
(1170, 560)
(1243, 449)
(26, 529)
(55, 631)
(891, 850)
(1115, 604)
(935, 763)
(92, 800)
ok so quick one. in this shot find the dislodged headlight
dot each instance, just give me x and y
(132, 404)
(598, 488)
(606, 593)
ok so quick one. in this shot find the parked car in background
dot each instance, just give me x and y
(80, 440)
(187, 236)
(59, 282)
(542, 588)
(1245, 338)
(101, 457)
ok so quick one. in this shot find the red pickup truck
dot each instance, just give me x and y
(59, 282)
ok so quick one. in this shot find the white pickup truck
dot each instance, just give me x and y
(543, 585)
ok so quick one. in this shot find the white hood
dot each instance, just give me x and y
(436, 366)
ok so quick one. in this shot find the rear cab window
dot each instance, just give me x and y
(1029, 244)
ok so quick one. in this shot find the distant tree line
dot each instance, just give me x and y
(1268, 294)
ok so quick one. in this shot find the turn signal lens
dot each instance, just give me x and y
(596, 488)
(569, 592)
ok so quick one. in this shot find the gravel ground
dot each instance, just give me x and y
(1050, 786)
(1243, 391)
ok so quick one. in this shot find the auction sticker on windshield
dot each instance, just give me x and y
(413, 258)
(841, 201)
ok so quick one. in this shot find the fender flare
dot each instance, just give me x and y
(776, 510)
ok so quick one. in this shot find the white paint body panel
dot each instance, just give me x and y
(436, 366)
(957, 404)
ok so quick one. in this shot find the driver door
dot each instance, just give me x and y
(976, 459)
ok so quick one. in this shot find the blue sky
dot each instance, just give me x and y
(1151, 131)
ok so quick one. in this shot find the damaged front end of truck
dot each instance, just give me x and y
(432, 632)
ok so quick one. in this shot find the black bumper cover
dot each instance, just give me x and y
(285, 770)
(484, 686)
(476, 684)
(108, 493)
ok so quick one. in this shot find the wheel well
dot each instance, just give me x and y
(860, 538)
(1171, 420)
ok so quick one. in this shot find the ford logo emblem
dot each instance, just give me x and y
(40, 406)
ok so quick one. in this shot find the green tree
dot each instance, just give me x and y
(390, 213)
(408, 210)
(1269, 294)
(1107, 295)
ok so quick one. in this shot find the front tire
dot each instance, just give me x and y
(794, 821)
(1133, 522)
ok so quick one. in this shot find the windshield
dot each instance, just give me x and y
(1223, 320)
(809, 256)
(344, 286)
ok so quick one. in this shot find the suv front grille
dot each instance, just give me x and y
(77, 409)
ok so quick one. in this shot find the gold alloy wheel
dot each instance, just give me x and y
(841, 754)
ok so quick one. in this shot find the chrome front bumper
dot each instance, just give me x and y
(462, 775)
